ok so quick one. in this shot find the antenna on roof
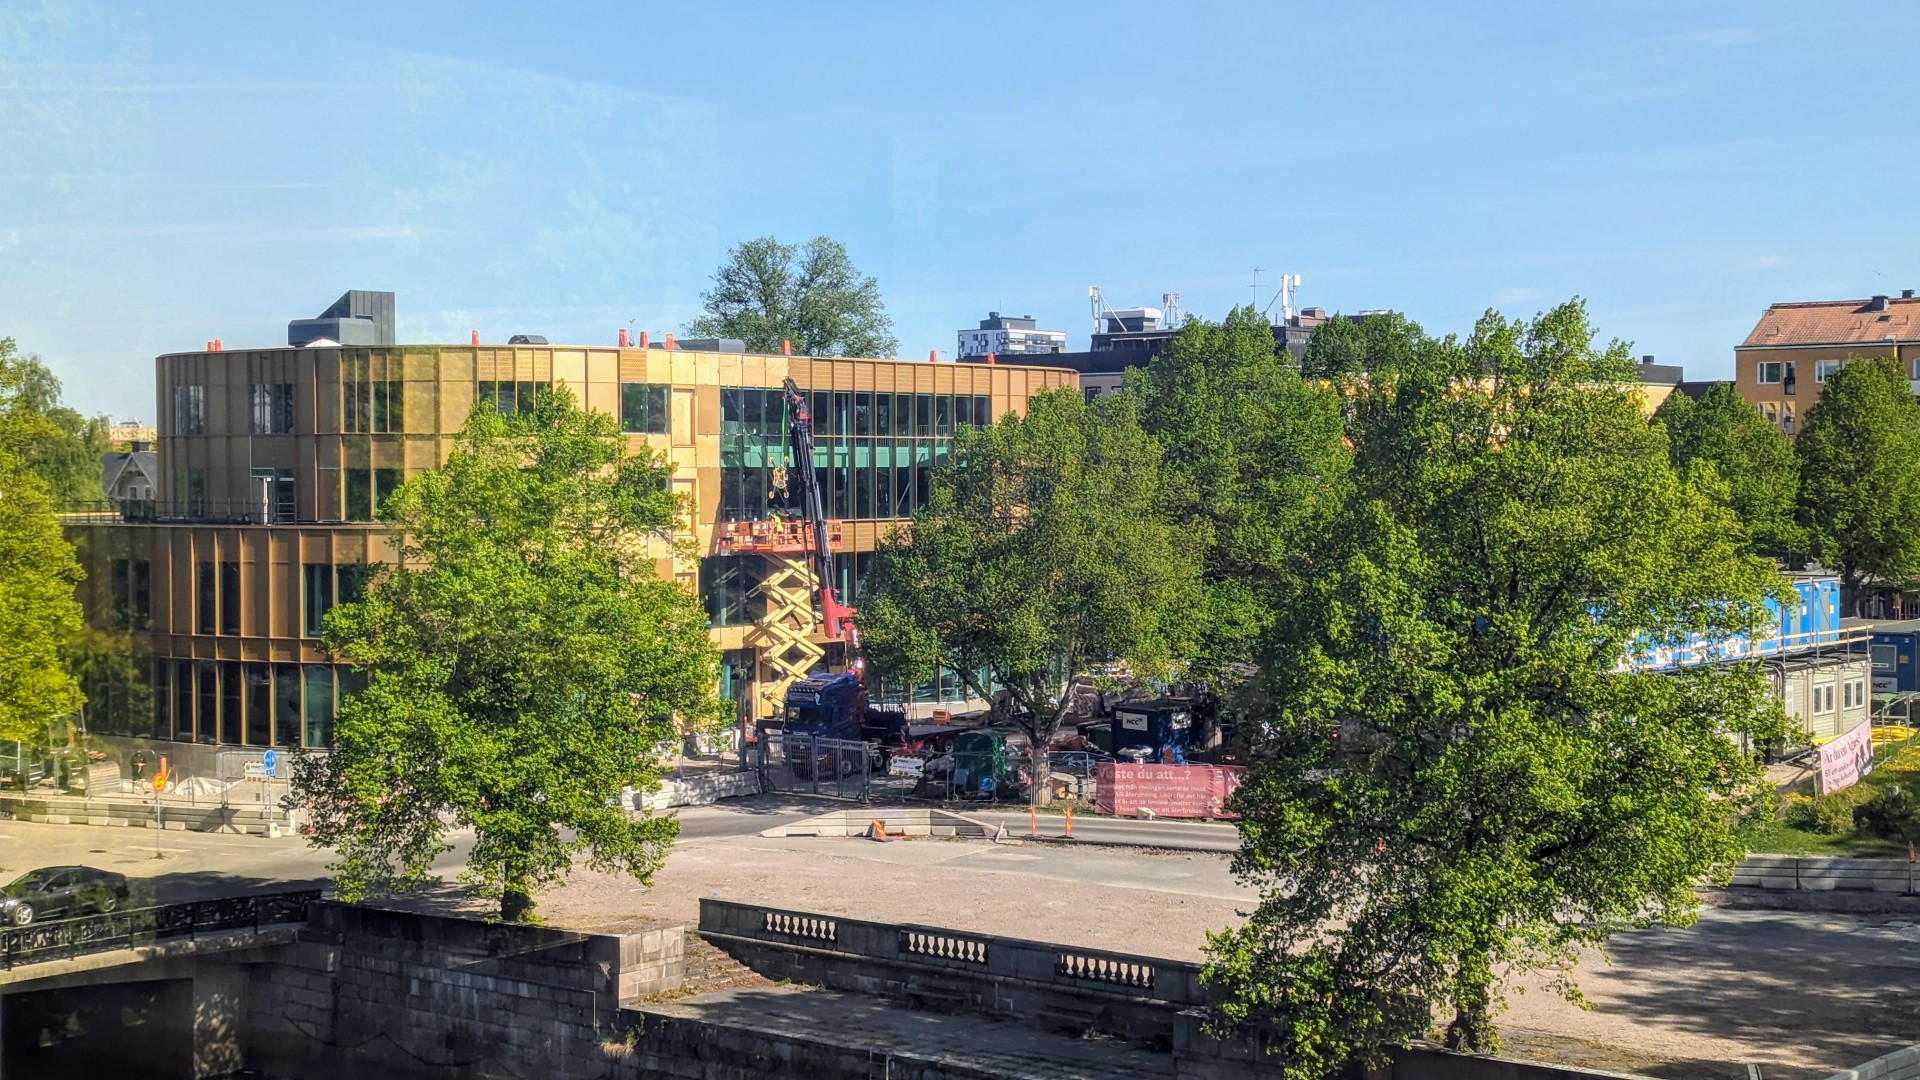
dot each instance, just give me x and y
(1170, 310)
(1288, 283)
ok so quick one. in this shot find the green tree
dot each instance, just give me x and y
(1725, 431)
(38, 613)
(1347, 345)
(1505, 790)
(1860, 475)
(524, 663)
(54, 441)
(1253, 462)
(1043, 558)
(810, 295)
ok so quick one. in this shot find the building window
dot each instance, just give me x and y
(1824, 368)
(189, 492)
(366, 491)
(259, 704)
(643, 408)
(272, 409)
(286, 705)
(728, 587)
(508, 397)
(231, 691)
(183, 700)
(130, 581)
(189, 410)
(317, 593)
(205, 598)
(1885, 658)
(1855, 694)
(372, 395)
(1823, 699)
(1769, 372)
(207, 730)
(351, 582)
(162, 698)
(230, 598)
(860, 476)
(318, 705)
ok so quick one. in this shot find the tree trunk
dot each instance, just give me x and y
(1472, 1030)
(516, 905)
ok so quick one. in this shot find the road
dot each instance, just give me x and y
(198, 866)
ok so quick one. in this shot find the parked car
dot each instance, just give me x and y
(61, 890)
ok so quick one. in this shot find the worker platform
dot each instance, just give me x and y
(774, 536)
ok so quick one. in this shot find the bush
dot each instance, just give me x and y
(1831, 815)
(1892, 814)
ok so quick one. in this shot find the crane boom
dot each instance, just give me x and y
(836, 620)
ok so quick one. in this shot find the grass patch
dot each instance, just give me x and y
(1791, 829)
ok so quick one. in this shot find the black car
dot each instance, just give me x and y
(61, 890)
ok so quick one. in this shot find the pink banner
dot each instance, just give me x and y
(1846, 759)
(1175, 791)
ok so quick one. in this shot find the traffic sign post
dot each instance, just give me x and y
(271, 762)
(160, 779)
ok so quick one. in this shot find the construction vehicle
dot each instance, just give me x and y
(824, 706)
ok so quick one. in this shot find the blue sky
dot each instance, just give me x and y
(174, 172)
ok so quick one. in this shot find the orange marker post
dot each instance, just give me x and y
(1033, 821)
(1069, 821)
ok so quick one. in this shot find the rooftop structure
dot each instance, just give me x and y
(1003, 335)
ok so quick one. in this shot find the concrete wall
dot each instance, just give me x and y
(1899, 1065)
(252, 819)
(405, 995)
(1793, 873)
(1054, 986)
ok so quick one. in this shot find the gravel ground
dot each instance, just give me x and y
(1800, 994)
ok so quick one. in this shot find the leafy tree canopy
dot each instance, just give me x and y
(1043, 558)
(53, 440)
(1253, 461)
(811, 296)
(1343, 345)
(524, 663)
(1859, 452)
(1503, 790)
(1727, 433)
(38, 613)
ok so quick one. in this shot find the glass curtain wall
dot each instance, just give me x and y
(873, 452)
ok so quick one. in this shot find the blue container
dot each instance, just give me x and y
(1895, 648)
(1163, 726)
(1813, 622)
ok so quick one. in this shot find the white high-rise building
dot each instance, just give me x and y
(1005, 334)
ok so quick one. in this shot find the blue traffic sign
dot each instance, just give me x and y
(268, 760)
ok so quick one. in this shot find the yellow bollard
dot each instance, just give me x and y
(1069, 821)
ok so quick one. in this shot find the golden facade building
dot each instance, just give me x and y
(1783, 363)
(272, 463)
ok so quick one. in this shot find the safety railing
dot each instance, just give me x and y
(57, 939)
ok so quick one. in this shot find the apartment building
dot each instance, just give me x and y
(1783, 363)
